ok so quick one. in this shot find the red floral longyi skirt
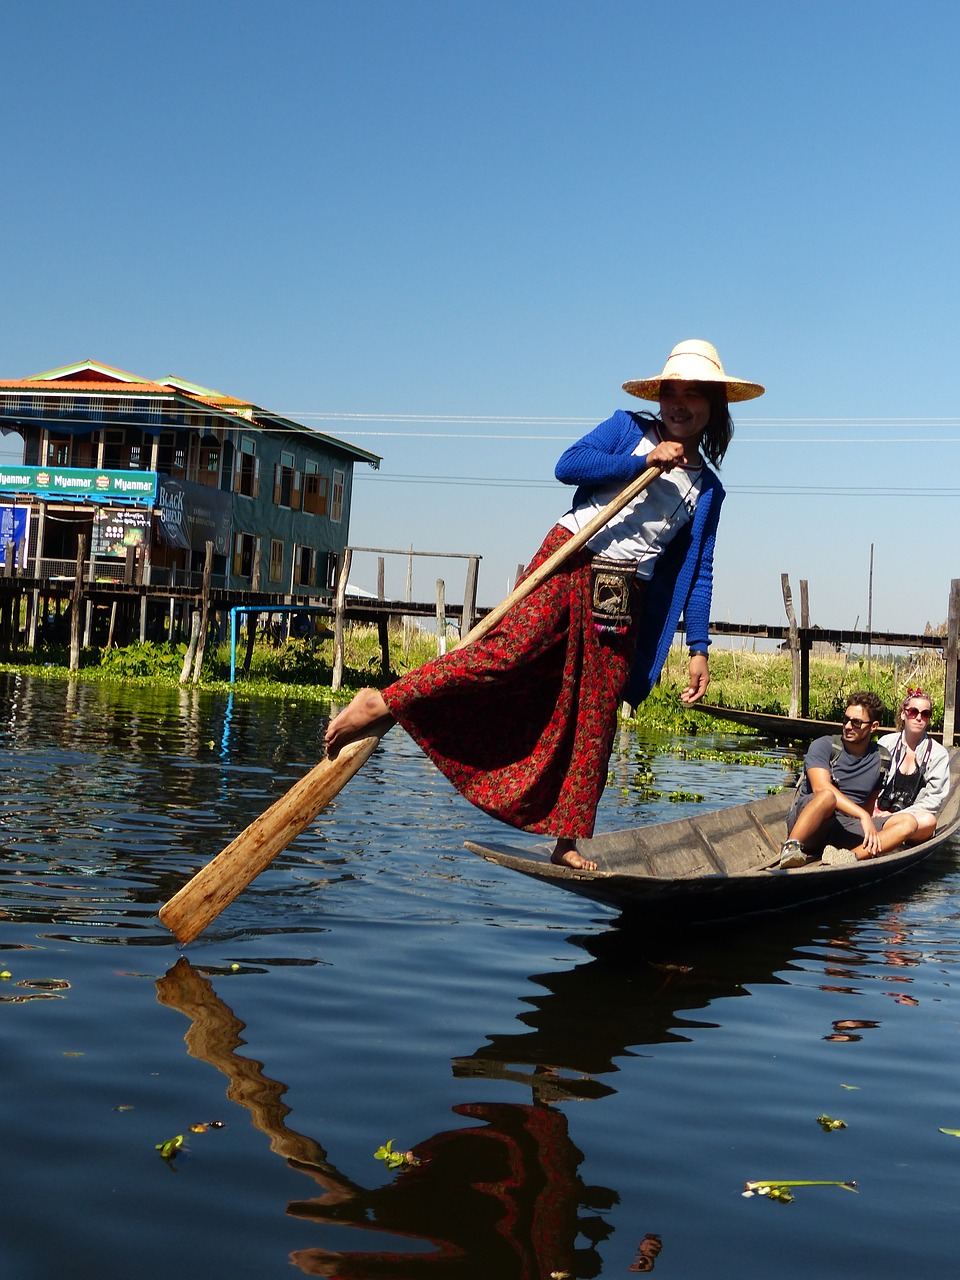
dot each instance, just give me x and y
(522, 720)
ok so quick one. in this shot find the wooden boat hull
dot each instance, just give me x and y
(781, 727)
(715, 866)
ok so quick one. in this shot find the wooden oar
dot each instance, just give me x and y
(216, 885)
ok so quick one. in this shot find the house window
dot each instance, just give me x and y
(246, 474)
(209, 465)
(58, 451)
(276, 560)
(244, 549)
(305, 567)
(286, 482)
(336, 505)
(113, 449)
(315, 489)
(171, 453)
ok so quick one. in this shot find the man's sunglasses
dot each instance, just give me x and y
(857, 724)
(915, 713)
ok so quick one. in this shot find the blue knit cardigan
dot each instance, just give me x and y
(682, 580)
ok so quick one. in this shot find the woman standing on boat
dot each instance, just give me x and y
(522, 720)
(918, 779)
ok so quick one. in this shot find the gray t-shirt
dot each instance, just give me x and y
(857, 777)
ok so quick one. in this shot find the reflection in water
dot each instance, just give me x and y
(501, 1194)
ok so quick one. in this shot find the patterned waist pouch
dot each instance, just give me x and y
(612, 596)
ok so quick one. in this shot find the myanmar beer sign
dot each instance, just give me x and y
(80, 482)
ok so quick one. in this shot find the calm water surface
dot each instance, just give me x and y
(578, 1093)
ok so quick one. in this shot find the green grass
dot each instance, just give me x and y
(303, 669)
(762, 682)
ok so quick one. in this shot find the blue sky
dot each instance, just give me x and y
(448, 231)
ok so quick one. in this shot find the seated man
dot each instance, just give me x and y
(832, 814)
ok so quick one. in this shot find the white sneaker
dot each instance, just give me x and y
(792, 855)
(834, 857)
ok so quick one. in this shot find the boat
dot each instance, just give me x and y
(783, 728)
(715, 866)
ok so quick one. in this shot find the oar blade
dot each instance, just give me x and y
(216, 885)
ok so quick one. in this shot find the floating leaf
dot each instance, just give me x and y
(171, 1148)
(951, 1133)
(779, 1189)
(394, 1159)
(849, 1086)
(124, 1106)
(828, 1123)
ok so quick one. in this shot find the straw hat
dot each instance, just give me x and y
(694, 361)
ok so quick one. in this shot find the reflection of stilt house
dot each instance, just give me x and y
(152, 471)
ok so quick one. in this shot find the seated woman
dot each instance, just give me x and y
(918, 779)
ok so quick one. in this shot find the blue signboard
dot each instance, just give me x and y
(13, 525)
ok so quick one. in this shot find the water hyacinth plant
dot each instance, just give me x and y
(782, 1189)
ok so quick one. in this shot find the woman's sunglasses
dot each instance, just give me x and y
(915, 713)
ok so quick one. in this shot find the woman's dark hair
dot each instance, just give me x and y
(719, 431)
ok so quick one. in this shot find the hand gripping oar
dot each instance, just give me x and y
(216, 885)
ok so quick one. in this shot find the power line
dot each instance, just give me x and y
(508, 482)
(523, 419)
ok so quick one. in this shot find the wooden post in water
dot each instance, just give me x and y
(950, 655)
(191, 645)
(336, 678)
(383, 623)
(794, 644)
(204, 612)
(34, 619)
(805, 649)
(252, 620)
(407, 619)
(75, 603)
(470, 596)
(441, 620)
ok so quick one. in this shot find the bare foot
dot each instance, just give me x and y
(363, 711)
(565, 854)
